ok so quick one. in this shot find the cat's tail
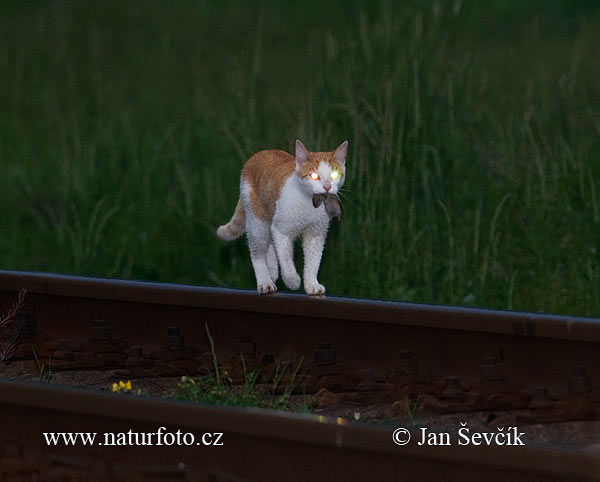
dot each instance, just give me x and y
(236, 227)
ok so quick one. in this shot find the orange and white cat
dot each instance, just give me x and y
(275, 207)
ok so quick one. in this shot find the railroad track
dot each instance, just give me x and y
(439, 360)
(257, 446)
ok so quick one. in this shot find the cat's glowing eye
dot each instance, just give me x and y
(314, 176)
(334, 174)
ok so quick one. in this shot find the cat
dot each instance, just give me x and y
(276, 206)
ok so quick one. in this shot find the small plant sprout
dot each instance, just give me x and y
(9, 335)
(412, 409)
(217, 388)
(44, 370)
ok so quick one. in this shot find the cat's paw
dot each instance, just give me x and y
(314, 289)
(266, 288)
(291, 280)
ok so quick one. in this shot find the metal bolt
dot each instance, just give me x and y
(453, 388)
(268, 359)
(63, 345)
(579, 381)
(64, 350)
(325, 355)
(135, 355)
(101, 330)
(541, 398)
(367, 381)
(405, 364)
(206, 361)
(135, 351)
(174, 339)
(491, 369)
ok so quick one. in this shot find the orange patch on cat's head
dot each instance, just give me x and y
(308, 162)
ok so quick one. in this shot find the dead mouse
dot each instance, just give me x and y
(332, 204)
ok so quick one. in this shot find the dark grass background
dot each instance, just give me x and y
(474, 128)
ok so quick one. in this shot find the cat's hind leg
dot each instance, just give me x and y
(272, 263)
(259, 238)
(258, 254)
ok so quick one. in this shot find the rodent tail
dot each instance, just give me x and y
(236, 227)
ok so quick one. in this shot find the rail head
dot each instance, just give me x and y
(570, 328)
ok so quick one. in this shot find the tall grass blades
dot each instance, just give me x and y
(474, 128)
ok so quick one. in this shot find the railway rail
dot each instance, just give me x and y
(447, 360)
(257, 445)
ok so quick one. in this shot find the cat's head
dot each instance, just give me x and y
(321, 172)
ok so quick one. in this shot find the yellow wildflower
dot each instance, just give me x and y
(122, 386)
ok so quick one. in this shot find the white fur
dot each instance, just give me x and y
(316, 187)
(226, 234)
(296, 216)
(261, 248)
(271, 244)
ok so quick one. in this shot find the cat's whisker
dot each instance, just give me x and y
(341, 195)
(344, 191)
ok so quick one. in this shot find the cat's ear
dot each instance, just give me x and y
(340, 153)
(301, 153)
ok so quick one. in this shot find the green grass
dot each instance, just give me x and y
(217, 388)
(474, 128)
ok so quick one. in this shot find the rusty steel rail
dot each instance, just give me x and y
(460, 359)
(396, 313)
(257, 445)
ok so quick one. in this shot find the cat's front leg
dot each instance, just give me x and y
(312, 245)
(284, 247)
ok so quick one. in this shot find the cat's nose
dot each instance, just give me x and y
(327, 185)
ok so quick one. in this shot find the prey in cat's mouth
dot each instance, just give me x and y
(332, 204)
